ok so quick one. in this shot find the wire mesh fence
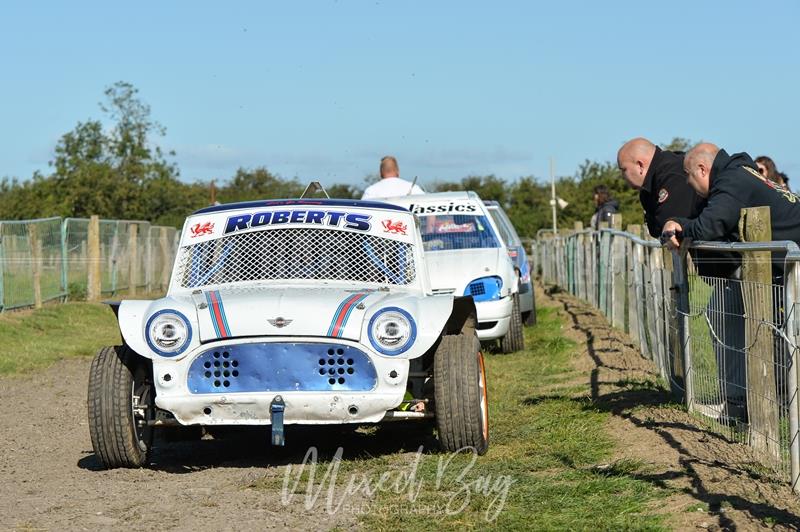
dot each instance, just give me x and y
(49, 259)
(727, 343)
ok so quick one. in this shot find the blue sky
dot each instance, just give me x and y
(321, 90)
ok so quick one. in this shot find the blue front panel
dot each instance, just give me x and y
(282, 367)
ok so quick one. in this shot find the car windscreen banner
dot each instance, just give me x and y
(389, 224)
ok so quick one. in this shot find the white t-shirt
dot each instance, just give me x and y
(389, 187)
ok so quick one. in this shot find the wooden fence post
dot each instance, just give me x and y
(634, 302)
(603, 280)
(580, 262)
(673, 353)
(133, 258)
(755, 226)
(165, 262)
(93, 286)
(619, 292)
(35, 244)
(148, 261)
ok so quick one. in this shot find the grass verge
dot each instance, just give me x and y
(547, 468)
(35, 339)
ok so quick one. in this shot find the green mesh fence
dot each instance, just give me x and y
(31, 260)
(49, 258)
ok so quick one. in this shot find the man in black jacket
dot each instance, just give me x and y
(659, 177)
(730, 183)
(664, 193)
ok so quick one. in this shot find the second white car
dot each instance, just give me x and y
(466, 256)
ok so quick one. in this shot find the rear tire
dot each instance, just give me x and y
(460, 393)
(514, 340)
(528, 318)
(121, 401)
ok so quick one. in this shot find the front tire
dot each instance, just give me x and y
(121, 402)
(514, 340)
(460, 392)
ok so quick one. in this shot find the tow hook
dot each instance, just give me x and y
(276, 409)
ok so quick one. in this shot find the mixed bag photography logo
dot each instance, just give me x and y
(397, 489)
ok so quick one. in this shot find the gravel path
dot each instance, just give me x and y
(50, 479)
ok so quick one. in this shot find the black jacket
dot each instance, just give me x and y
(604, 212)
(736, 184)
(665, 193)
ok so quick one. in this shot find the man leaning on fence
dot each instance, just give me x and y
(731, 183)
(664, 193)
(659, 177)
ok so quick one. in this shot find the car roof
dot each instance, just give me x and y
(437, 197)
(295, 202)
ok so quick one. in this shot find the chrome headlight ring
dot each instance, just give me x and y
(168, 332)
(392, 331)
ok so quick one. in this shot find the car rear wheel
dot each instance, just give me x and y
(514, 340)
(530, 318)
(121, 402)
(460, 393)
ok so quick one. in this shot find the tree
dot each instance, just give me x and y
(678, 144)
(343, 191)
(258, 183)
(487, 187)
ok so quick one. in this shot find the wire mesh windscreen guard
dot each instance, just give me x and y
(296, 254)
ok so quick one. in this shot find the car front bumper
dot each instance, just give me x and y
(320, 380)
(494, 318)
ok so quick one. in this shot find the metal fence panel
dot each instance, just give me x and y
(728, 347)
(32, 262)
(47, 259)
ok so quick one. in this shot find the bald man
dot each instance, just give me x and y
(659, 177)
(730, 183)
(391, 184)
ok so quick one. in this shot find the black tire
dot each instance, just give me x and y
(120, 434)
(514, 340)
(461, 401)
(529, 318)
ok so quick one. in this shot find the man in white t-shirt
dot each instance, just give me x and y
(390, 184)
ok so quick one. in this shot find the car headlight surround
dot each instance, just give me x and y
(484, 288)
(168, 332)
(392, 331)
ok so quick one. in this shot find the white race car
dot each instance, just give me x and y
(291, 312)
(465, 256)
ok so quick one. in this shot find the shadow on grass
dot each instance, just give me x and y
(637, 393)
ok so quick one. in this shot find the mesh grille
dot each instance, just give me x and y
(477, 289)
(296, 254)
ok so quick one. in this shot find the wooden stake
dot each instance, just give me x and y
(133, 254)
(755, 226)
(93, 286)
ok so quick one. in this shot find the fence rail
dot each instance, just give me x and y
(51, 258)
(727, 343)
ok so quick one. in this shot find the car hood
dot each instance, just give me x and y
(454, 270)
(285, 313)
(332, 312)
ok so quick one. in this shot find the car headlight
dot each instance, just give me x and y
(484, 289)
(392, 331)
(168, 332)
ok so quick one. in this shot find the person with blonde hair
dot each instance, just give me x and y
(391, 184)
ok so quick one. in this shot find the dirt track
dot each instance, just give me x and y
(51, 480)
(50, 477)
(713, 479)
